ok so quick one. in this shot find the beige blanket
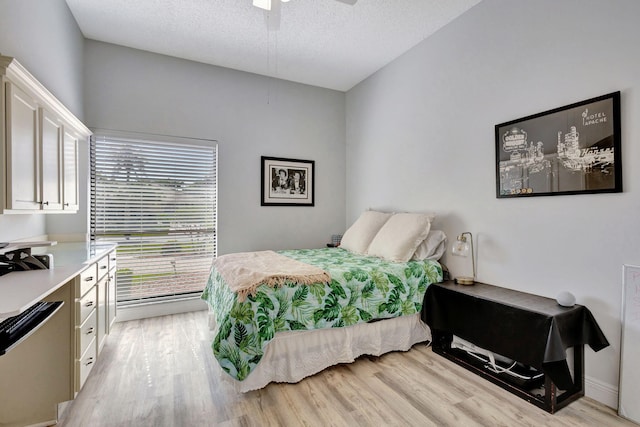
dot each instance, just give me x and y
(243, 272)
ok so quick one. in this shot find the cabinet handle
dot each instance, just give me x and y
(66, 204)
(89, 304)
(44, 203)
(88, 279)
(89, 361)
(103, 267)
(90, 331)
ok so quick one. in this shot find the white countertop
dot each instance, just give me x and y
(19, 290)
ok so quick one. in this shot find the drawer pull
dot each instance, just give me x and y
(89, 361)
(88, 279)
(90, 331)
(103, 267)
(89, 304)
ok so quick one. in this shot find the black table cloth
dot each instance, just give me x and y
(530, 329)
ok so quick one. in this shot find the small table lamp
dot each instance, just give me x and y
(461, 248)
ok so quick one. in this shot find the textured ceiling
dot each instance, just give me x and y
(319, 42)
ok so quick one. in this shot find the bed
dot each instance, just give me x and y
(370, 305)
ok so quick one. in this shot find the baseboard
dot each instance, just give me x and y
(63, 410)
(603, 393)
(156, 309)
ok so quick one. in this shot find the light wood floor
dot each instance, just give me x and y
(161, 372)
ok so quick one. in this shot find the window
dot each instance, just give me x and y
(156, 197)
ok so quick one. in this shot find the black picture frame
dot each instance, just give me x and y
(287, 182)
(573, 149)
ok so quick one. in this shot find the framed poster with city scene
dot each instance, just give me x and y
(287, 182)
(569, 150)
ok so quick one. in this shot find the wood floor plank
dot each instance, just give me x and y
(161, 372)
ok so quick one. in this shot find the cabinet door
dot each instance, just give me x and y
(23, 179)
(102, 312)
(51, 160)
(70, 172)
(111, 300)
(111, 292)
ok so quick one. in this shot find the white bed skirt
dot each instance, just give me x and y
(293, 355)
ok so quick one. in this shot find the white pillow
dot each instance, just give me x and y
(358, 237)
(399, 237)
(433, 247)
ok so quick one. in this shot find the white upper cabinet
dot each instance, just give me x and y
(21, 148)
(38, 145)
(51, 161)
(70, 171)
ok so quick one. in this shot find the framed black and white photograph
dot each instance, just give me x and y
(287, 182)
(568, 150)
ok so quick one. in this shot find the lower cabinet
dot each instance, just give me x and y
(111, 292)
(84, 366)
(87, 332)
(37, 374)
(86, 348)
(95, 312)
(102, 311)
(48, 368)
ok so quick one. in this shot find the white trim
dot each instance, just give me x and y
(99, 133)
(603, 393)
(143, 311)
(16, 73)
(39, 238)
(69, 237)
(44, 423)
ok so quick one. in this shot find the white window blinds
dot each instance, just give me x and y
(156, 198)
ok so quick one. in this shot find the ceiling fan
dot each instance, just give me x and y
(272, 11)
(267, 4)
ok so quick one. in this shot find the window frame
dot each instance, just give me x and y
(205, 236)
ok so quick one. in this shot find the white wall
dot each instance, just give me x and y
(420, 136)
(250, 116)
(44, 37)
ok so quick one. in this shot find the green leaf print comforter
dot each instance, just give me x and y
(362, 288)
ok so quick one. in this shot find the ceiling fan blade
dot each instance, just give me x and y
(262, 4)
(351, 2)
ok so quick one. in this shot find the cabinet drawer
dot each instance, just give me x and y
(86, 305)
(86, 333)
(103, 267)
(112, 260)
(88, 279)
(84, 366)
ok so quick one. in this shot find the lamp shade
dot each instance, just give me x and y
(461, 247)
